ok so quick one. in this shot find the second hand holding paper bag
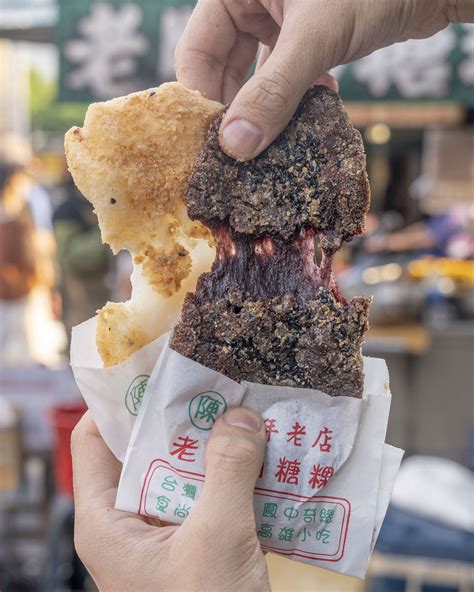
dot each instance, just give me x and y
(319, 498)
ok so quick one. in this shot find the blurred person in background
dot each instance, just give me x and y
(84, 262)
(443, 234)
(24, 199)
(18, 267)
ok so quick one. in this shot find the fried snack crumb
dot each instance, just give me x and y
(118, 335)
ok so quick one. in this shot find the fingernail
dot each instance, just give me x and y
(241, 417)
(240, 138)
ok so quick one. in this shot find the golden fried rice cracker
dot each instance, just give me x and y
(118, 335)
(124, 328)
(132, 160)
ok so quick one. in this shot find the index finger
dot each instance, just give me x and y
(201, 53)
(96, 471)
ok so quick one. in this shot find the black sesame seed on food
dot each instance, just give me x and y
(181, 254)
(152, 94)
(113, 200)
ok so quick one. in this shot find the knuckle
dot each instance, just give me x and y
(272, 95)
(188, 61)
(198, 57)
(235, 73)
(230, 453)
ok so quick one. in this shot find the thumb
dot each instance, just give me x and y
(234, 456)
(307, 46)
(265, 104)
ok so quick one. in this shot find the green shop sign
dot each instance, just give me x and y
(440, 68)
(109, 48)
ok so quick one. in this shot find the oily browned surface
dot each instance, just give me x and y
(132, 160)
(313, 175)
(267, 312)
(278, 341)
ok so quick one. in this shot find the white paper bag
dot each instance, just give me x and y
(327, 477)
(112, 394)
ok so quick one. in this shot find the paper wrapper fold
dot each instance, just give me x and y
(327, 477)
(112, 394)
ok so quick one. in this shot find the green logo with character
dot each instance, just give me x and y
(135, 392)
(205, 408)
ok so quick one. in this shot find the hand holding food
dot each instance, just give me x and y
(216, 550)
(300, 40)
(265, 180)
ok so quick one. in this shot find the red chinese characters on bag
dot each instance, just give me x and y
(184, 448)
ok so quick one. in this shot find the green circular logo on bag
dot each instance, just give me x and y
(205, 408)
(135, 392)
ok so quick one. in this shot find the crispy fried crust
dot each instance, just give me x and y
(267, 312)
(278, 341)
(118, 333)
(132, 160)
(312, 175)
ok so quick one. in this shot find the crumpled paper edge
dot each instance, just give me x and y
(104, 389)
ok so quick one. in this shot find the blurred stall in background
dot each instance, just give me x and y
(414, 104)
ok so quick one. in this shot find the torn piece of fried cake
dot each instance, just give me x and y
(267, 312)
(312, 176)
(132, 160)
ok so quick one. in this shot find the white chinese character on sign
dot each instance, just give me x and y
(466, 67)
(106, 54)
(172, 24)
(416, 68)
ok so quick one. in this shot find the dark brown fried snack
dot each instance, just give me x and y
(313, 175)
(278, 341)
(267, 312)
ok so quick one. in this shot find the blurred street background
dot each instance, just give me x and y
(414, 105)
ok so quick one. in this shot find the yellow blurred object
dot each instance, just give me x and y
(289, 576)
(383, 273)
(455, 269)
(379, 133)
(10, 450)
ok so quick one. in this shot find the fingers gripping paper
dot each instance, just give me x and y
(310, 501)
